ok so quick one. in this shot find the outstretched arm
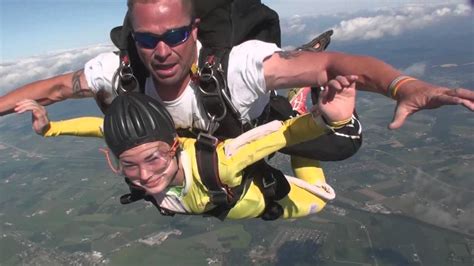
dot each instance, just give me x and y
(48, 91)
(300, 68)
(336, 104)
(81, 126)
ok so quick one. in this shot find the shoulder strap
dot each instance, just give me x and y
(225, 120)
(208, 167)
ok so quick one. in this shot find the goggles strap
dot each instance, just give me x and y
(111, 165)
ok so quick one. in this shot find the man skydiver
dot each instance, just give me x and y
(153, 158)
(166, 37)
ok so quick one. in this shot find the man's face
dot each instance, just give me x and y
(150, 165)
(168, 64)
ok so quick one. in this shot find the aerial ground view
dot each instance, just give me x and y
(406, 198)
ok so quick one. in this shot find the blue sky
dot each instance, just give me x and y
(34, 27)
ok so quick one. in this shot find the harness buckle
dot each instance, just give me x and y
(124, 80)
(206, 140)
(219, 197)
(211, 87)
(127, 80)
(213, 125)
(268, 180)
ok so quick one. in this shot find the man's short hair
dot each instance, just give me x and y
(187, 4)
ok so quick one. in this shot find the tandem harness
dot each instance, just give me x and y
(224, 24)
(225, 122)
(221, 113)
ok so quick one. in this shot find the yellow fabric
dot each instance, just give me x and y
(82, 127)
(297, 203)
(307, 169)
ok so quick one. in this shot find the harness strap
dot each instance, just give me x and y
(207, 163)
(162, 211)
(221, 211)
(137, 193)
(274, 186)
(215, 98)
(271, 182)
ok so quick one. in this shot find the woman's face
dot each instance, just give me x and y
(152, 166)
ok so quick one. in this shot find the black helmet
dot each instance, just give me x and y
(134, 119)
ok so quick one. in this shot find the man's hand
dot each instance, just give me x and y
(337, 100)
(418, 95)
(39, 115)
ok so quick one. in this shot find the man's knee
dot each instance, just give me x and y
(335, 146)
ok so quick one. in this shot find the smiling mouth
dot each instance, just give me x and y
(153, 183)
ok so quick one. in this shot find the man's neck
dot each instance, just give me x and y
(170, 93)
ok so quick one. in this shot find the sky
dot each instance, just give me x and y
(35, 27)
(44, 38)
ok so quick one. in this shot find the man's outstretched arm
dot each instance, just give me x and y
(47, 91)
(300, 68)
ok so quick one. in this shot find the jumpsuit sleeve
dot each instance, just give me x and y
(290, 132)
(80, 127)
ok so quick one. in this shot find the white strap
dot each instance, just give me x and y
(232, 146)
(322, 190)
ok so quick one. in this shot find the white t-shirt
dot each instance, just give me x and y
(245, 80)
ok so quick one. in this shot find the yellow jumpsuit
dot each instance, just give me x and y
(193, 198)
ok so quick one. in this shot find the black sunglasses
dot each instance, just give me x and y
(172, 37)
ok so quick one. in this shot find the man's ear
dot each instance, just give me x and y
(195, 28)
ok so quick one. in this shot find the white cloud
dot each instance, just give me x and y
(26, 70)
(448, 65)
(292, 26)
(394, 23)
(416, 70)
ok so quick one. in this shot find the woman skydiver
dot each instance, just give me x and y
(140, 133)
